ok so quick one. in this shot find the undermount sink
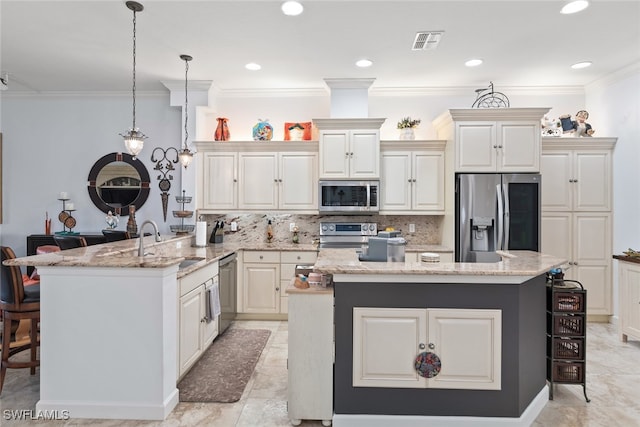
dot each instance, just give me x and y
(189, 262)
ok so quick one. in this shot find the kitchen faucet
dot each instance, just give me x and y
(157, 234)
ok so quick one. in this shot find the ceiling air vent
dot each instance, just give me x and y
(426, 40)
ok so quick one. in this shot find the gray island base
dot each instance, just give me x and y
(485, 322)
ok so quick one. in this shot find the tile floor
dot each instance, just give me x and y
(613, 384)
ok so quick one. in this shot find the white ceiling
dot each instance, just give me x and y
(87, 45)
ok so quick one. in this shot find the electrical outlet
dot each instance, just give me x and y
(178, 245)
(292, 225)
(412, 228)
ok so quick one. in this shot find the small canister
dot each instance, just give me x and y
(395, 249)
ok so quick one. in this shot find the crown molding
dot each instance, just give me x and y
(193, 85)
(616, 76)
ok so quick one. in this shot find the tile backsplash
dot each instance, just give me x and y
(252, 227)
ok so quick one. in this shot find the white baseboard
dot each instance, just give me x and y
(526, 419)
(111, 410)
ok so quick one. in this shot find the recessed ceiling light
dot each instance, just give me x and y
(574, 6)
(292, 8)
(253, 66)
(473, 62)
(364, 63)
(579, 65)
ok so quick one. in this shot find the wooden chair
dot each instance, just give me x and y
(17, 303)
(69, 242)
(115, 235)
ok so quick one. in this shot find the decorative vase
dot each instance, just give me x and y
(132, 227)
(222, 131)
(407, 133)
(262, 131)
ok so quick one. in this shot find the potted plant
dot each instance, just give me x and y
(406, 126)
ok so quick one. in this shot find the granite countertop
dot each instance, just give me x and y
(171, 251)
(514, 263)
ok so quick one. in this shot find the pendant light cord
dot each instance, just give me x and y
(134, 70)
(186, 103)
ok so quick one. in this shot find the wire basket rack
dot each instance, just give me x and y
(182, 228)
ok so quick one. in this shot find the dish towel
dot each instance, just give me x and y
(213, 302)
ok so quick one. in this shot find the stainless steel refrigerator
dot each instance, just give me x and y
(496, 212)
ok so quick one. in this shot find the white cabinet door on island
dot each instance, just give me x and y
(386, 342)
(196, 330)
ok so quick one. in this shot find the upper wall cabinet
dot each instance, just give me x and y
(412, 177)
(349, 148)
(257, 176)
(494, 140)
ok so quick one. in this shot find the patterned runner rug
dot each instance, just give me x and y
(224, 369)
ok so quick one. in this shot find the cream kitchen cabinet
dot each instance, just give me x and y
(278, 181)
(310, 356)
(576, 175)
(584, 239)
(349, 148)
(629, 289)
(386, 342)
(577, 197)
(261, 282)
(412, 178)
(266, 275)
(196, 331)
(501, 146)
(288, 262)
(220, 181)
(245, 176)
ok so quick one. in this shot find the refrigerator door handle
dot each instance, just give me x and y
(500, 216)
(507, 217)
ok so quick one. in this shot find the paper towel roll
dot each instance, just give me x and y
(201, 233)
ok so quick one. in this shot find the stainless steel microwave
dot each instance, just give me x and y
(349, 197)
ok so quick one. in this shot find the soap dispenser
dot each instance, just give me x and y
(269, 232)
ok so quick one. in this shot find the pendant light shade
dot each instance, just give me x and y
(134, 138)
(186, 156)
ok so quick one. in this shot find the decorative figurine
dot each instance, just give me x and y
(132, 226)
(262, 131)
(551, 127)
(112, 220)
(577, 127)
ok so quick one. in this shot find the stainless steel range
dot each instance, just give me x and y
(346, 234)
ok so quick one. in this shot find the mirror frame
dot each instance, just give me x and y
(145, 182)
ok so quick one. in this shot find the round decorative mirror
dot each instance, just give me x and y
(117, 181)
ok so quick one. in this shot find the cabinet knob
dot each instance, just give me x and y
(495, 146)
(421, 346)
(414, 180)
(409, 180)
(298, 257)
(260, 256)
(499, 146)
(351, 154)
(277, 289)
(275, 180)
(346, 154)
(235, 180)
(432, 346)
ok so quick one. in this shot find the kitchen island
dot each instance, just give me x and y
(109, 318)
(485, 321)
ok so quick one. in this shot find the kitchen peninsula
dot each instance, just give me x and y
(109, 324)
(485, 321)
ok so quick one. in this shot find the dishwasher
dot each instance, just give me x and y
(228, 291)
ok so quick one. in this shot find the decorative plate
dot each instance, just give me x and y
(62, 216)
(427, 364)
(70, 222)
(164, 184)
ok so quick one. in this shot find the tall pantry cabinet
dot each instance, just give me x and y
(577, 200)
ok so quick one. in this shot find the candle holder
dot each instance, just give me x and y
(65, 217)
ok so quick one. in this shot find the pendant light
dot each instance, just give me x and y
(185, 155)
(134, 138)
